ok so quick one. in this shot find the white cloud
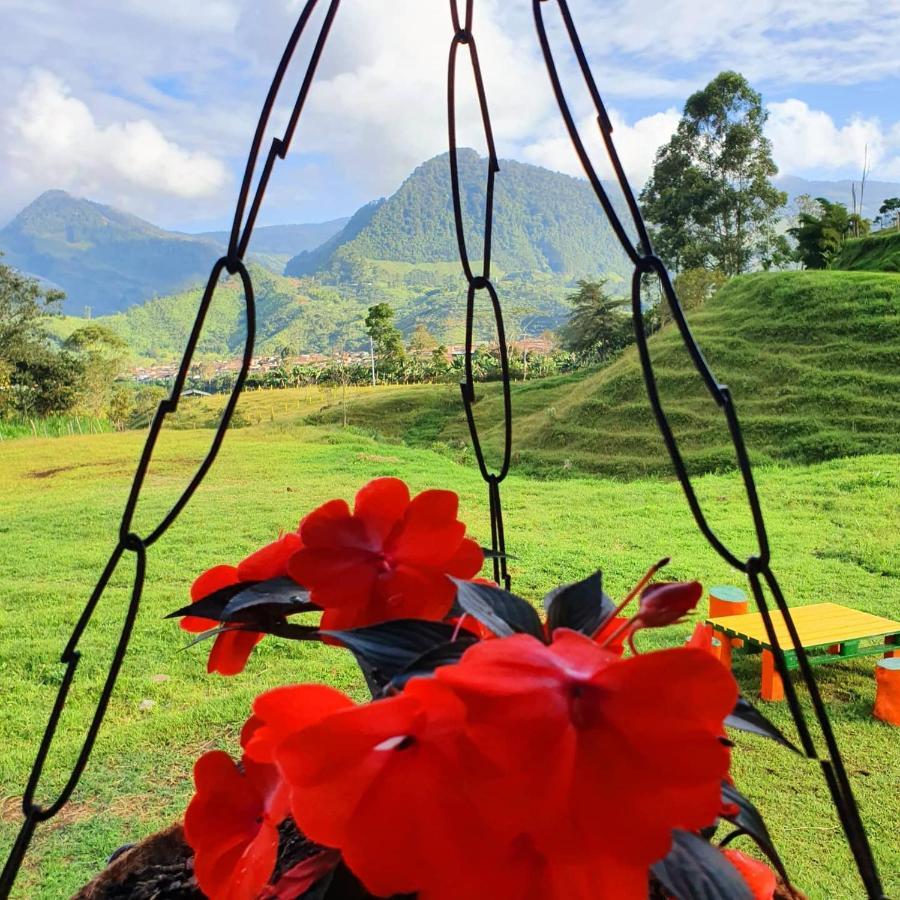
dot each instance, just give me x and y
(378, 105)
(636, 144)
(805, 139)
(183, 83)
(52, 139)
(816, 41)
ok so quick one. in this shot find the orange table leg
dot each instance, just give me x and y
(772, 685)
(723, 651)
(887, 691)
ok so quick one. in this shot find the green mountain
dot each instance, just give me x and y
(812, 359)
(109, 260)
(548, 232)
(544, 222)
(308, 314)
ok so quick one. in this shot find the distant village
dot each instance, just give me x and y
(260, 365)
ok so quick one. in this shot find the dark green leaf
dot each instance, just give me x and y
(502, 612)
(745, 717)
(385, 650)
(276, 628)
(211, 606)
(696, 870)
(442, 655)
(277, 595)
(581, 605)
(257, 602)
(750, 822)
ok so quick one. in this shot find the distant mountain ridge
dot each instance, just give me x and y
(876, 192)
(109, 260)
(286, 240)
(543, 221)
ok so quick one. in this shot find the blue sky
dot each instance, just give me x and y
(150, 104)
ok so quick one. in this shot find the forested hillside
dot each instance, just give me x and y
(308, 315)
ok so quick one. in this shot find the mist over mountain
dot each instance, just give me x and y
(876, 192)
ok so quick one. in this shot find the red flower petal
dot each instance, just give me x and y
(213, 580)
(520, 871)
(415, 593)
(359, 780)
(429, 534)
(759, 877)
(231, 650)
(300, 878)
(332, 525)
(467, 561)
(335, 576)
(227, 824)
(381, 505)
(270, 561)
(666, 603)
(281, 712)
(635, 742)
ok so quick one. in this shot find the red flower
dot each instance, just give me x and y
(282, 712)
(233, 646)
(383, 783)
(667, 602)
(614, 631)
(759, 877)
(388, 559)
(634, 742)
(232, 825)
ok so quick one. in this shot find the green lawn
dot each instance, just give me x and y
(833, 528)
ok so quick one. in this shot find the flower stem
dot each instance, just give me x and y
(633, 593)
(628, 624)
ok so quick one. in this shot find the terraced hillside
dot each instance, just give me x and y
(876, 253)
(812, 358)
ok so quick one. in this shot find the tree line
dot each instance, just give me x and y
(40, 378)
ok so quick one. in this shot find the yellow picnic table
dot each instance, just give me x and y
(828, 632)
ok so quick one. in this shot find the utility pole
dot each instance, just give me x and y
(372, 357)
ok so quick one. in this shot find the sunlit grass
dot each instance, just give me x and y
(833, 527)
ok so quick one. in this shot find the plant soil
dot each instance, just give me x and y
(161, 867)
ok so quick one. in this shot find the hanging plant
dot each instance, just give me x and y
(502, 754)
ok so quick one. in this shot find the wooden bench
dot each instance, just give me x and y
(828, 632)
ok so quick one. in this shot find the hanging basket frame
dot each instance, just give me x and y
(757, 567)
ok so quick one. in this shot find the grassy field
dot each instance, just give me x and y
(833, 528)
(812, 358)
